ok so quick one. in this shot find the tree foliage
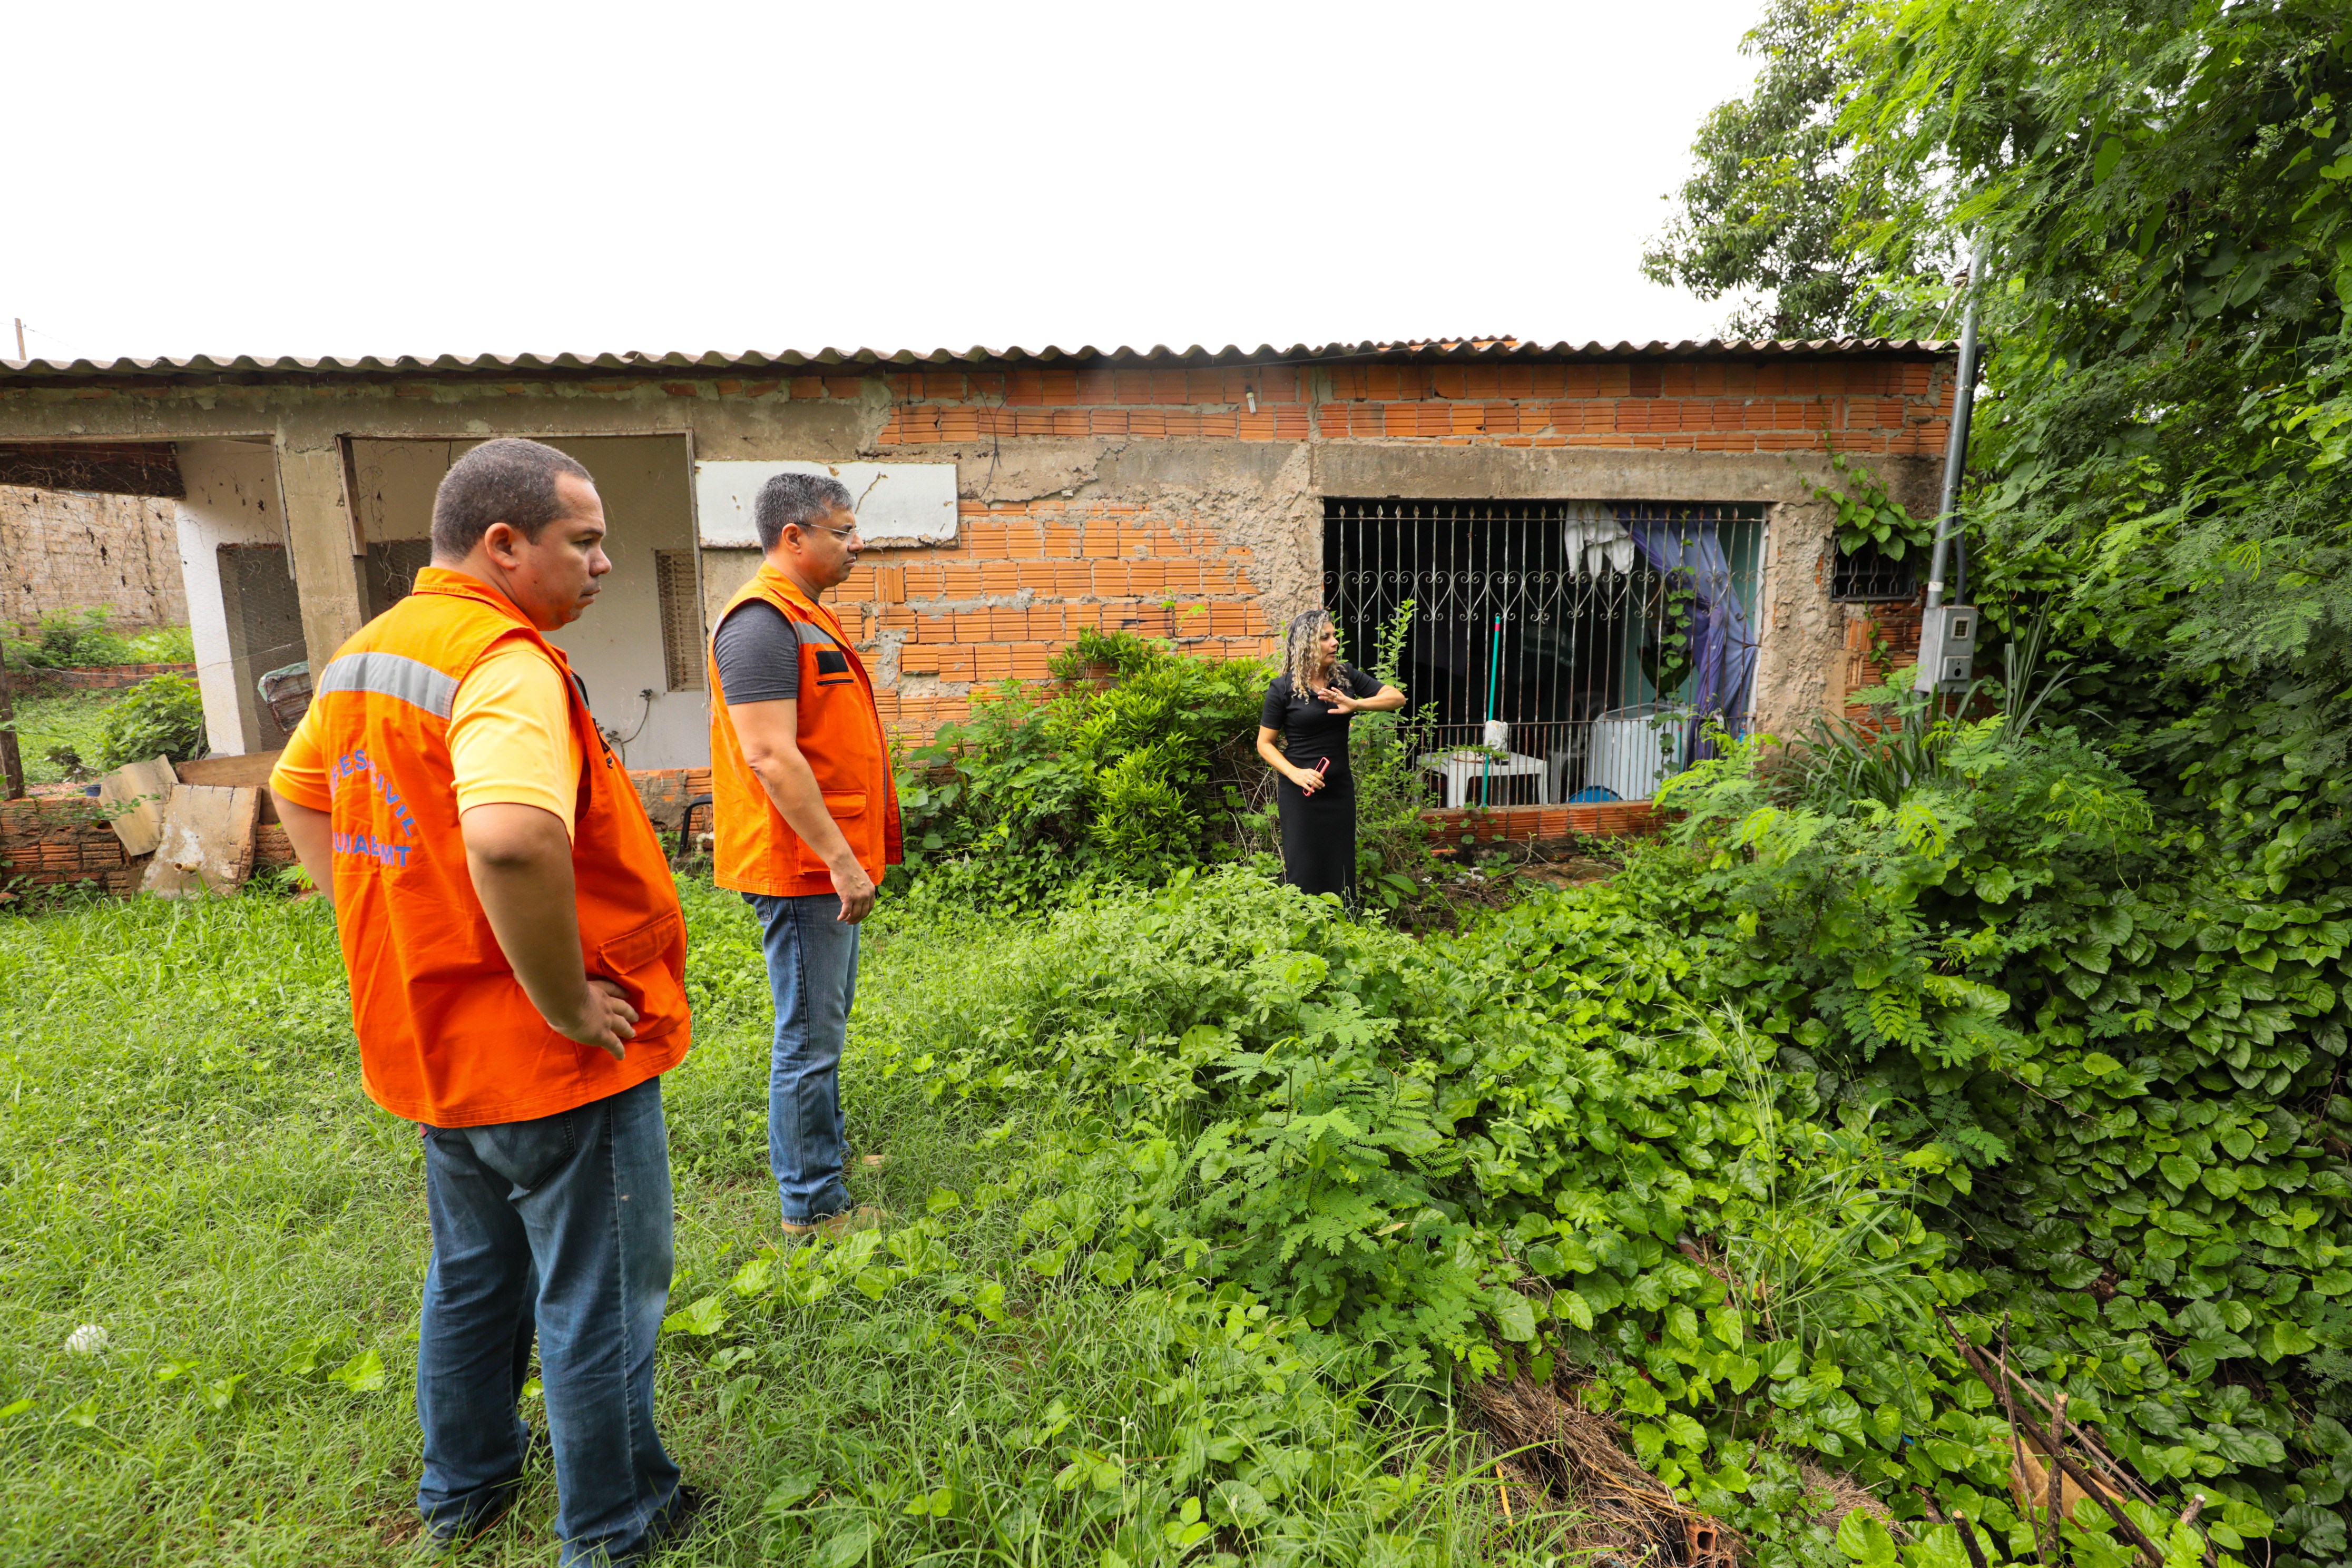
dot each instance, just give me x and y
(1764, 213)
(2165, 187)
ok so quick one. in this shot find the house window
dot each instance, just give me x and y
(1870, 574)
(680, 585)
(1601, 636)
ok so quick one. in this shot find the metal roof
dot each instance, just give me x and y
(790, 361)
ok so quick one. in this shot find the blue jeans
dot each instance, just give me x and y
(812, 975)
(560, 1225)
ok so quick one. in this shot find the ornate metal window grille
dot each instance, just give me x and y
(1584, 642)
(1870, 576)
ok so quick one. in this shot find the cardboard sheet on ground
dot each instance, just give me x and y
(139, 789)
(206, 843)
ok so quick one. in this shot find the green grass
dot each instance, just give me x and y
(187, 1161)
(72, 718)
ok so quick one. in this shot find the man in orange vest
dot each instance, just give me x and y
(807, 818)
(517, 958)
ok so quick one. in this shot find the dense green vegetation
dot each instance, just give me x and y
(187, 1163)
(81, 638)
(2164, 192)
(1135, 762)
(2096, 974)
(61, 736)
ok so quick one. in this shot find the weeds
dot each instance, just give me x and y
(188, 1166)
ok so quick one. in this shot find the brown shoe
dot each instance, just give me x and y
(833, 1227)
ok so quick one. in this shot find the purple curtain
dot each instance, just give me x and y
(1722, 644)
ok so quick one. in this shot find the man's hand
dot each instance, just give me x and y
(607, 1022)
(857, 890)
(521, 860)
(769, 733)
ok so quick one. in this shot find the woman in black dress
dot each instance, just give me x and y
(1303, 736)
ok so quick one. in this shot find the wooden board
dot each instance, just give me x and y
(206, 843)
(137, 793)
(251, 769)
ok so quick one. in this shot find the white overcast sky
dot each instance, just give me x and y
(428, 178)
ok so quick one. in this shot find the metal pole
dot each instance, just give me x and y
(20, 337)
(1956, 449)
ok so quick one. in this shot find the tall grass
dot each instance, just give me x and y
(188, 1164)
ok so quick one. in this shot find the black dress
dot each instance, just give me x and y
(1318, 830)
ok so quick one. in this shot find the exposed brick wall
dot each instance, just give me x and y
(62, 550)
(1022, 580)
(48, 842)
(664, 791)
(104, 678)
(1880, 639)
(1543, 824)
(1768, 406)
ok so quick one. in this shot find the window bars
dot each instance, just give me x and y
(1604, 637)
(678, 585)
(1870, 576)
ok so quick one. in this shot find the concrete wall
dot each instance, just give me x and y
(65, 550)
(232, 499)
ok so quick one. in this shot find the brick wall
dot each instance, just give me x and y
(1025, 575)
(104, 678)
(62, 550)
(1880, 639)
(1764, 406)
(48, 842)
(1024, 579)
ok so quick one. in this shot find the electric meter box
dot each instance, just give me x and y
(1948, 649)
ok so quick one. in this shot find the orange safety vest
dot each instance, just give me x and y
(841, 735)
(446, 1035)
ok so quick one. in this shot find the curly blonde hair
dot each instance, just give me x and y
(1302, 660)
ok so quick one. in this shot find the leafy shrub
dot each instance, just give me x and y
(1530, 1147)
(1121, 775)
(2126, 1057)
(163, 645)
(1720, 1138)
(162, 716)
(71, 639)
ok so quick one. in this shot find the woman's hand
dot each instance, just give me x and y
(1307, 780)
(1340, 700)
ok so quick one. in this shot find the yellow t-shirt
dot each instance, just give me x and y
(511, 740)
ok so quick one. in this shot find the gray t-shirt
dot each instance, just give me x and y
(759, 655)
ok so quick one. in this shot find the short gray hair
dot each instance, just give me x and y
(508, 481)
(800, 498)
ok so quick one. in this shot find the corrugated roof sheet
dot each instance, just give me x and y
(245, 366)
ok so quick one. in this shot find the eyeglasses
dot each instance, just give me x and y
(849, 533)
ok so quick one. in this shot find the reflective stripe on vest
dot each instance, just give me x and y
(392, 675)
